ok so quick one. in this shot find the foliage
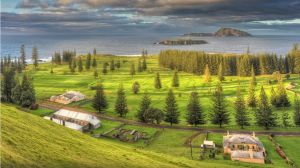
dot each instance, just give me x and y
(171, 109)
(195, 115)
(99, 101)
(121, 102)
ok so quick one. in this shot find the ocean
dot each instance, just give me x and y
(134, 44)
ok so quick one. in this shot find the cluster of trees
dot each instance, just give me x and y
(66, 57)
(12, 91)
(241, 65)
(142, 64)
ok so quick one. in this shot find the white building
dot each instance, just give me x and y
(75, 120)
(68, 97)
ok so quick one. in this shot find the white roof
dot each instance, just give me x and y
(79, 116)
(208, 143)
(67, 124)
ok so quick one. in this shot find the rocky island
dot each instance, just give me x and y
(222, 32)
(181, 42)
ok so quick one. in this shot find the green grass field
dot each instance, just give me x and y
(30, 141)
(291, 147)
(47, 84)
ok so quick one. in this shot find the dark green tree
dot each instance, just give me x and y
(28, 93)
(144, 55)
(219, 114)
(253, 77)
(121, 102)
(96, 74)
(35, 57)
(157, 82)
(264, 115)
(104, 69)
(140, 68)
(80, 66)
(112, 65)
(175, 82)
(94, 64)
(285, 119)
(99, 101)
(241, 114)
(282, 97)
(195, 115)
(132, 70)
(23, 56)
(152, 115)
(135, 87)
(274, 97)
(221, 73)
(95, 52)
(16, 92)
(297, 110)
(7, 84)
(144, 106)
(88, 61)
(251, 100)
(171, 109)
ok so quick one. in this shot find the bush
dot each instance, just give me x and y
(226, 157)
(34, 106)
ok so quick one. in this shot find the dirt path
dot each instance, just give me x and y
(56, 106)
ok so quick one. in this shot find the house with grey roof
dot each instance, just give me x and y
(75, 120)
(244, 147)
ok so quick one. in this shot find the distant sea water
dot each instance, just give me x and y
(133, 44)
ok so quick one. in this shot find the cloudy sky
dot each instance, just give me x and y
(149, 16)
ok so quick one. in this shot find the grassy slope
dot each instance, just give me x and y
(291, 147)
(29, 141)
(47, 84)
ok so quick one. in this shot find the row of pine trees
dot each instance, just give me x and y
(232, 65)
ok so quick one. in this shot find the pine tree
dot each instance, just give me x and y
(35, 57)
(153, 114)
(95, 73)
(104, 69)
(95, 52)
(135, 87)
(264, 115)
(140, 69)
(88, 62)
(157, 82)
(73, 65)
(132, 70)
(112, 65)
(99, 101)
(121, 103)
(17, 91)
(23, 56)
(251, 100)
(2, 66)
(7, 84)
(282, 98)
(171, 109)
(175, 82)
(241, 116)
(144, 65)
(221, 73)
(94, 64)
(144, 106)
(219, 114)
(285, 119)
(253, 77)
(207, 77)
(274, 97)
(297, 110)
(28, 94)
(118, 64)
(80, 66)
(195, 115)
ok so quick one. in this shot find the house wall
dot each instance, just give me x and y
(260, 161)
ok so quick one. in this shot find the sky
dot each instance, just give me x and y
(259, 17)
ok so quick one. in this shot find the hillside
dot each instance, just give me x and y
(230, 32)
(222, 32)
(30, 141)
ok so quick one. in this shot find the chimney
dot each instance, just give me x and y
(253, 134)
(227, 132)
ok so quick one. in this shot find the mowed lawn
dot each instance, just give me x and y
(62, 79)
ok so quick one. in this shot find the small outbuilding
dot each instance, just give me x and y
(75, 120)
(68, 97)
